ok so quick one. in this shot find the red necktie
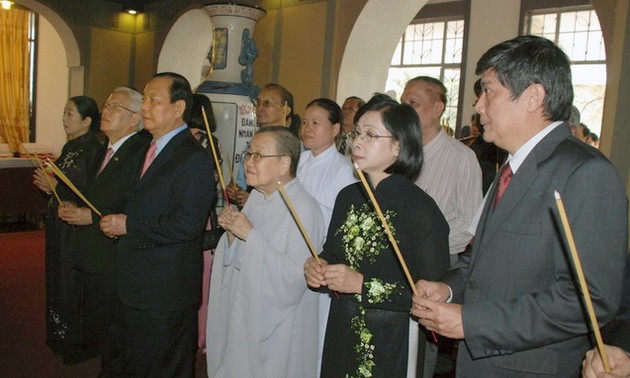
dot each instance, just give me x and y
(108, 155)
(504, 180)
(148, 159)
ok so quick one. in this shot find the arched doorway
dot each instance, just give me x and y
(59, 76)
(371, 45)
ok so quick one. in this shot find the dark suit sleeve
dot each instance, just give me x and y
(617, 332)
(183, 203)
(597, 211)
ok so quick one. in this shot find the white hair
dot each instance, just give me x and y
(135, 102)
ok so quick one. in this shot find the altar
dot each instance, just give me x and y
(22, 205)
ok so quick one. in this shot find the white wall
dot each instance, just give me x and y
(52, 87)
(491, 22)
(187, 45)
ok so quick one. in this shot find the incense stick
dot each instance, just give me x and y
(214, 154)
(388, 231)
(69, 183)
(231, 168)
(287, 200)
(582, 280)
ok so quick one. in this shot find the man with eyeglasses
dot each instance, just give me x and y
(274, 107)
(349, 110)
(108, 192)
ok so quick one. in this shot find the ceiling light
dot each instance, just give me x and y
(132, 7)
(6, 4)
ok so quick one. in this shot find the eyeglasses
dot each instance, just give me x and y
(114, 107)
(264, 103)
(366, 136)
(257, 156)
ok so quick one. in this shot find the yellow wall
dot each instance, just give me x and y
(302, 52)
(109, 62)
(297, 37)
(144, 67)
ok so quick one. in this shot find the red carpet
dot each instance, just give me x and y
(23, 349)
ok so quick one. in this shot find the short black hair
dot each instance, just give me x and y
(87, 107)
(331, 107)
(179, 90)
(403, 123)
(526, 60)
(285, 95)
(361, 101)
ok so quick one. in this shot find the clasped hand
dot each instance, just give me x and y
(432, 311)
(74, 215)
(337, 277)
(618, 360)
(43, 183)
(114, 225)
(237, 195)
(235, 223)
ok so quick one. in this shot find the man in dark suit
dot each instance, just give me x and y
(516, 304)
(159, 260)
(108, 192)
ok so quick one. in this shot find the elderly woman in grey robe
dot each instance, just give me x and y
(262, 319)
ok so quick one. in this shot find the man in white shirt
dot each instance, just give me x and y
(349, 109)
(450, 172)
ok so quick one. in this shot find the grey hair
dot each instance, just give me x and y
(135, 102)
(574, 118)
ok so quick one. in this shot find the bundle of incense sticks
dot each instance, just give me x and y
(70, 185)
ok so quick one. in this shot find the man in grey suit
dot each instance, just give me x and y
(514, 301)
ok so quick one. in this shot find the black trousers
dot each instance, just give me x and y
(159, 343)
(103, 324)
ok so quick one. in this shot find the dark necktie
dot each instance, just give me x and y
(108, 156)
(148, 159)
(504, 180)
(343, 145)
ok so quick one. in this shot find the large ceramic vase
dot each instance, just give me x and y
(229, 84)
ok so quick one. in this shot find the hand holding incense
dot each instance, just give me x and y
(70, 185)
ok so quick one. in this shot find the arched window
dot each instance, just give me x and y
(577, 31)
(432, 45)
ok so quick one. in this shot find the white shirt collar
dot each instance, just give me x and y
(521, 154)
